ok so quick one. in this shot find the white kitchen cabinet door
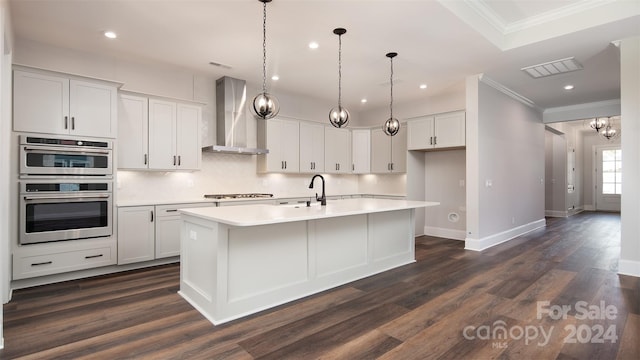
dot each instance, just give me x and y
(337, 150)
(380, 152)
(437, 132)
(388, 153)
(188, 149)
(450, 130)
(162, 135)
(40, 103)
(399, 151)
(420, 133)
(168, 236)
(136, 234)
(133, 132)
(93, 109)
(52, 104)
(282, 138)
(361, 151)
(311, 148)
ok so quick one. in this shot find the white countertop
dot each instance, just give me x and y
(259, 214)
(147, 202)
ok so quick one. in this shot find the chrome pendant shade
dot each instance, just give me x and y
(608, 132)
(598, 123)
(265, 105)
(392, 125)
(339, 116)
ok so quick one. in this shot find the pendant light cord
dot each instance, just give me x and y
(391, 81)
(264, 48)
(339, 71)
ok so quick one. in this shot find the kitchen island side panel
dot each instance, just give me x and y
(230, 272)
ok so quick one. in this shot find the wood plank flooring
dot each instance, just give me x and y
(450, 304)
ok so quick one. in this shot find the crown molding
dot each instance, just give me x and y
(505, 90)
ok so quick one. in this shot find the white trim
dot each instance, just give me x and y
(589, 207)
(556, 213)
(579, 111)
(445, 233)
(499, 238)
(629, 267)
(488, 14)
(505, 90)
(1, 343)
(553, 15)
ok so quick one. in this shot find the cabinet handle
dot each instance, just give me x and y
(66, 122)
(353, 167)
(145, 159)
(285, 164)
(73, 123)
(172, 210)
(179, 160)
(174, 160)
(430, 140)
(42, 263)
(391, 166)
(435, 140)
(151, 215)
(93, 256)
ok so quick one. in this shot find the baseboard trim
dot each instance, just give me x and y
(556, 213)
(445, 233)
(499, 238)
(629, 267)
(590, 208)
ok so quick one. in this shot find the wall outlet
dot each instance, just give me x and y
(488, 183)
(193, 235)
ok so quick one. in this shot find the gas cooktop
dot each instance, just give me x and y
(238, 196)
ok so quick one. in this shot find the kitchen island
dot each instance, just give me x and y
(239, 260)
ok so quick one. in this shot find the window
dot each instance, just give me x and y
(612, 172)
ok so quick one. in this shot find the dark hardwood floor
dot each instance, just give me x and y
(450, 304)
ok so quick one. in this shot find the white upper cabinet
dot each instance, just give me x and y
(437, 132)
(54, 104)
(361, 151)
(311, 148)
(133, 132)
(388, 153)
(158, 134)
(282, 138)
(337, 150)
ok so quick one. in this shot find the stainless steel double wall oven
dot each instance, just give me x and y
(66, 189)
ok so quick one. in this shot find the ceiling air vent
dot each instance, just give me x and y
(553, 68)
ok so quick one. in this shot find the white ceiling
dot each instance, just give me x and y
(439, 42)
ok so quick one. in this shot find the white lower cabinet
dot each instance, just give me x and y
(136, 234)
(150, 232)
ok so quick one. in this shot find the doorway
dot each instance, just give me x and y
(608, 172)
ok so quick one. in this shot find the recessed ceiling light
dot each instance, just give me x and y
(568, 87)
(275, 77)
(363, 101)
(423, 86)
(110, 34)
(313, 45)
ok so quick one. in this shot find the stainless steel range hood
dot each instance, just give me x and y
(232, 118)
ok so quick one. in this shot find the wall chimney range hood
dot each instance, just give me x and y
(231, 119)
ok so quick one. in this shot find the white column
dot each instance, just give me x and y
(630, 105)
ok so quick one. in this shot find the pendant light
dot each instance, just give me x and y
(339, 116)
(598, 123)
(608, 132)
(392, 125)
(265, 105)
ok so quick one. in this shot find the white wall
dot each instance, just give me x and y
(5, 154)
(630, 112)
(505, 166)
(445, 180)
(555, 174)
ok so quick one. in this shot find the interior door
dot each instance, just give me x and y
(608, 178)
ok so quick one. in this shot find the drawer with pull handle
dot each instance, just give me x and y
(39, 265)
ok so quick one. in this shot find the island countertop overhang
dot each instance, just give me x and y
(263, 214)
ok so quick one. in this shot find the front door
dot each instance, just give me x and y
(608, 178)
